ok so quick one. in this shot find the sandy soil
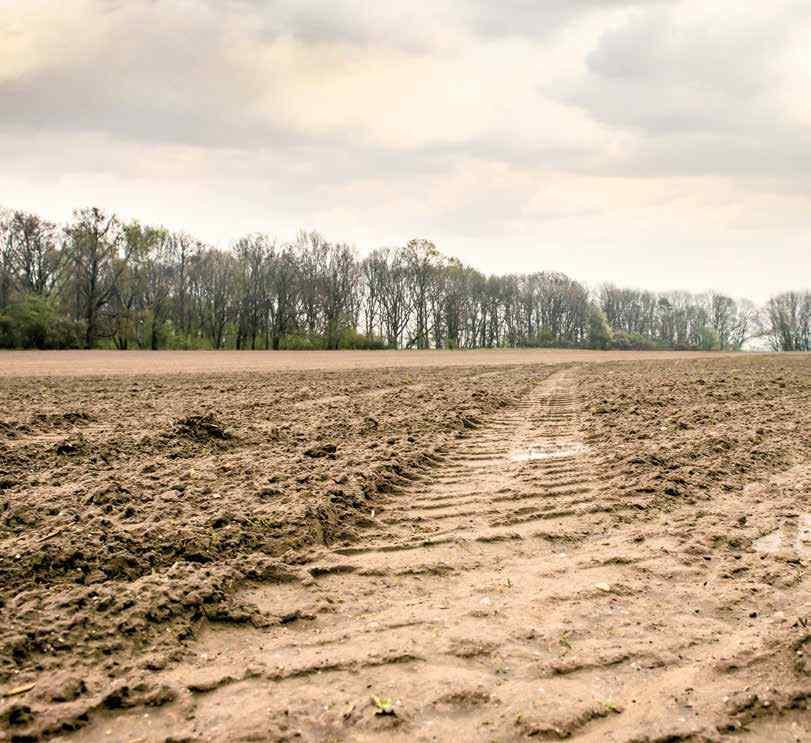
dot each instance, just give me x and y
(139, 363)
(611, 551)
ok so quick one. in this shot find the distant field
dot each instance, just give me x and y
(83, 363)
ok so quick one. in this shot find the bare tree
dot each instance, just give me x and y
(252, 259)
(181, 248)
(788, 321)
(312, 251)
(213, 281)
(372, 271)
(339, 281)
(283, 295)
(138, 283)
(35, 255)
(96, 260)
(157, 271)
(6, 259)
(395, 297)
(421, 258)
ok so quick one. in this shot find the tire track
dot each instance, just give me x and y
(495, 598)
(410, 591)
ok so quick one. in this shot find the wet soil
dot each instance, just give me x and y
(614, 551)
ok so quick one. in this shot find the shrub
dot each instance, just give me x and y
(33, 322)
(351, 339)
(65, 333)
(7, 335)
(708, 339)
(600, 335)
(296, 342)
(623, 341)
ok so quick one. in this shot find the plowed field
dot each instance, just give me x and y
(488, 548)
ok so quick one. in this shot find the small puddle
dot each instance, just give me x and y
(804, 535)
(548, 452)
(797, 539)
(770, 543)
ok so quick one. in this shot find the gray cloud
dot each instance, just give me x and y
(653, 49)
(413, 27)
(173, 77)
(271, 109)
(700, 99)
(152, 81)
(529, 18)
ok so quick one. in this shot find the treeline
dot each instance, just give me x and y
(100, 282)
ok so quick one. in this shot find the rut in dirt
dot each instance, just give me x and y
(507, 594)
(414, 613)
(488, 490)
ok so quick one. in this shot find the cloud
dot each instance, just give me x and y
(193, 73)
(528, 18)
(701, 87)
(146, 71)
(521, 134)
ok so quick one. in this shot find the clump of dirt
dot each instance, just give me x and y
(324, 450)
(202, 428)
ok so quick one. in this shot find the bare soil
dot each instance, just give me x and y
(140, 363)
(546, 548)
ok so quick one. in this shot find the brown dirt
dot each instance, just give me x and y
(614, 551)
(139, 363)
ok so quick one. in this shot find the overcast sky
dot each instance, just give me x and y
(658, 143)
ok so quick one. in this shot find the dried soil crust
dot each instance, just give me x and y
(612, 591)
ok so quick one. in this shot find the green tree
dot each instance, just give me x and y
(600, 335)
